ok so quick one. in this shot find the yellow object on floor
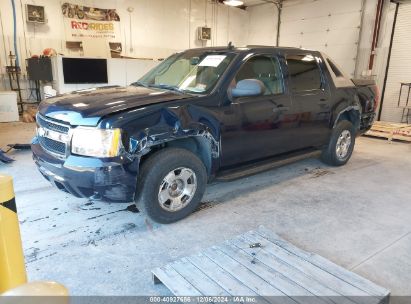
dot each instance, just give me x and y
(36, 293)
(12, 268)
(13, 278)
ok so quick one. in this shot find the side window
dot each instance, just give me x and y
(264, 68)
(304, 73)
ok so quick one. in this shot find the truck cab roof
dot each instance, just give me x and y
(249, 48)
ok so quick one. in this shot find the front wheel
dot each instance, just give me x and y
(172, 183)
(341, 145)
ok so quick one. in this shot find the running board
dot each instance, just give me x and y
(266, 165)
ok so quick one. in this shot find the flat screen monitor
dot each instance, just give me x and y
(84, 70)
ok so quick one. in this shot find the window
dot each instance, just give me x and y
(304, 73)
(264, 68)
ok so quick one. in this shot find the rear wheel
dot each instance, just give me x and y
(172, 183)
(341, 145)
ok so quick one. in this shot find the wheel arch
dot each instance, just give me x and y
(190, 127)
(200, 145)
(351, 113)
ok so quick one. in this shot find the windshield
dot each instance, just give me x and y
(193, 71)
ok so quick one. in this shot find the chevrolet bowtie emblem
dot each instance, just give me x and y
(41, 132)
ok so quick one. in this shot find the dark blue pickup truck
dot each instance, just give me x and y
(202, 114)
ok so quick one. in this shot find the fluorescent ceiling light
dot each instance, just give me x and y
(233, 2)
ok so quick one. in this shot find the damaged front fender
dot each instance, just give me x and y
(170, 126)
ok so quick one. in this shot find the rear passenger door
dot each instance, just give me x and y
(310, 94)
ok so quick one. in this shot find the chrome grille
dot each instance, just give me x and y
(52, 125)
(53, 145)
(53, 136)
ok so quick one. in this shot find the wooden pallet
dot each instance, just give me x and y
(261, 264)
(391, 131)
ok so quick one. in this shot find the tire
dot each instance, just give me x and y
(171, 184)
(70, 13)
(80, 14)
(342, 137)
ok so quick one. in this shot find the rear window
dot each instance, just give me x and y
(304, 73)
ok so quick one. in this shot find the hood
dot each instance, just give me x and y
(87, 107)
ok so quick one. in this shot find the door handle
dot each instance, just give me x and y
(281, 109)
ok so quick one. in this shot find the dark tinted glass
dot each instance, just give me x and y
(81, 70)
(266, 69)
(304, 73)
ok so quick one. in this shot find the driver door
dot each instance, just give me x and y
(256, 127)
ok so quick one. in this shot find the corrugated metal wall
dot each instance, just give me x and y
(329, 26)
(400, 64)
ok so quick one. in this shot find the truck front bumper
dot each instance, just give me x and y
(111, 180)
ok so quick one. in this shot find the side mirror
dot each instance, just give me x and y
(248, 87)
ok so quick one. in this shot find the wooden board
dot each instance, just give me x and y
(263, 265)
(403, 134)
(391, 131)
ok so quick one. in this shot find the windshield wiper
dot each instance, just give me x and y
(167, 87)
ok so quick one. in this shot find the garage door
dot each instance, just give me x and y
(329, 26)
(400, 64)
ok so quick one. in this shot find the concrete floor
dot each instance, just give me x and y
(357, 216)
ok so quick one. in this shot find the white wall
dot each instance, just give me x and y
(262, 28)
(159, 27)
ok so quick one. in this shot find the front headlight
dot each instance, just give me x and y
(96, 142)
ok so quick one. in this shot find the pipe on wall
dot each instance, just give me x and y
(4, 40)
(15, 32)
(376, 32)
(189, 24)
(360, 37)
(279, 8)
(397, 5)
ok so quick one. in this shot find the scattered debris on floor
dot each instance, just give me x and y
(132, 208)
(317, 172)
(5, 159)
(19, 147)
(206, 205)
(255, 245)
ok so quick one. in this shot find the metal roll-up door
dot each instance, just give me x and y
(399, 66)
(332, 27)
